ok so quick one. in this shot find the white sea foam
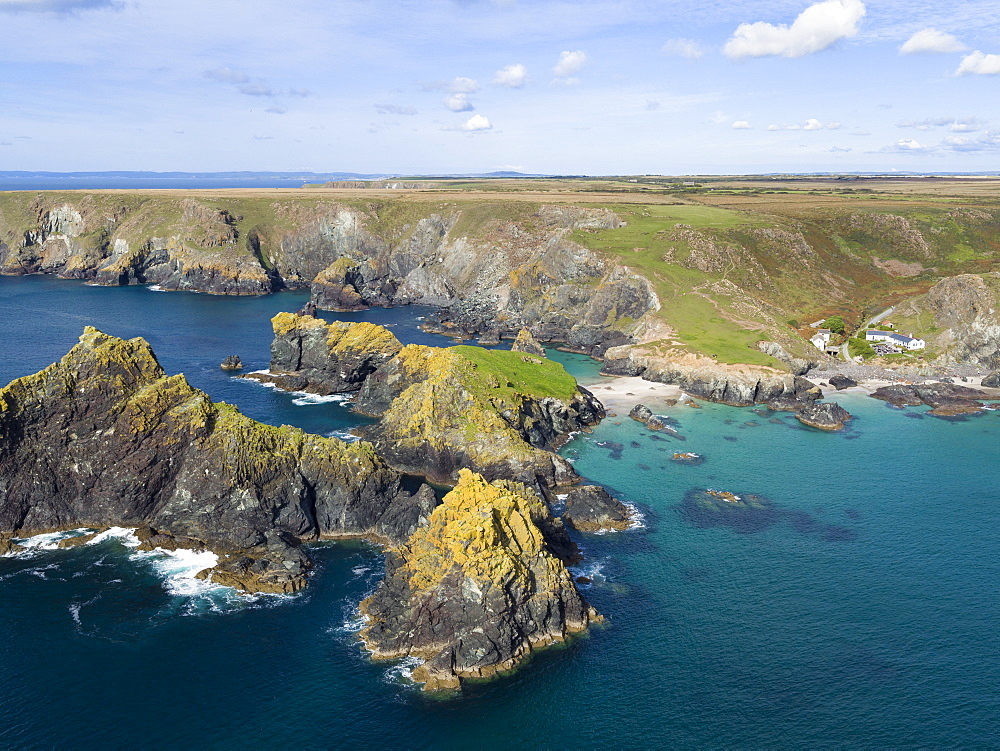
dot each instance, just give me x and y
(50, 540)
(402, 671)
(179, 567)
(155, 288)
(593, 570)
(305, 399)
(360, 570)
(125, 535)
(638, 518)
(344, 435)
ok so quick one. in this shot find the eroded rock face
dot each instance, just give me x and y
(825, 416)
(477, 589)
(105, 438)
(525, 342)
(992, 381)
(947, 399)
(309, 354)
(590, 508)
(705, 378)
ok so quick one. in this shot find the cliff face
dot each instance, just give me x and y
(477, 589)
(739, 385)
(500, 269)
(960, 319)
(104, 437)
(495, 412)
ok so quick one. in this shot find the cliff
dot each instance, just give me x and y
(309, 354)
(959, 317)
(704, 377)
(104, 437)
(477, 589)
(498, 413)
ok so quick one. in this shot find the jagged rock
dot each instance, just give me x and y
(825, 416)
(788, 404)
(655, 423)
(9, 547)
(232, 363)
(476, 590)
(309, 354)
(590, 508)
(75, 542)
(703, 377)
(841, 382)
(105, 438)
(931, 394)
(496, 412)
(525, 342)
(336, 287)
(992, 381)
(641, 413)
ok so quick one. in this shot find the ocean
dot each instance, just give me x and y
(858, 608)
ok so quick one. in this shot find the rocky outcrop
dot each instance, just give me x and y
(946, 399)
(841, 382)
(233, 362)
(590, 508)
(104, 438)
(825, 416)
(498, 413)
(965, 310)
(477, 589)
(497, 269)
(705, 378)
(992, 381)
(525, 342)
(309, 354)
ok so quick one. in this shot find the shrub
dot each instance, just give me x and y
(835, 324)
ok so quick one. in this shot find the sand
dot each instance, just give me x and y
(619, 394)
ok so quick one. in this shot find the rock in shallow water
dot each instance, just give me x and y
(232, 362)
(825, 416)
(590, 508)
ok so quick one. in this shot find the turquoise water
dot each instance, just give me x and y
(861, 611)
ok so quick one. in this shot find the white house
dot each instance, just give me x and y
(899, 340)
(821, 339)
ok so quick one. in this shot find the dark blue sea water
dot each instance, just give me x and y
(860, 611)
(110, 182)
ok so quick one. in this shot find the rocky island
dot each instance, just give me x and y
(106, 438)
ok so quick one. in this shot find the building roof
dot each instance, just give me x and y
(902, 339)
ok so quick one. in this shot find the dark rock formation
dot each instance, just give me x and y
(841, 382)
(590, 508)
(641, 413)
(9, 547)
(825, 416)
(232, 363)
(947, 400)
(738, 385)
(106, 438)
(309, 354)
(477, 589)
(525, 342)
(992, 381)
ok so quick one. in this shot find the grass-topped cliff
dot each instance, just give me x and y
(707, 266)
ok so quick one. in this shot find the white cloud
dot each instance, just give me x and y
(812, 124)
(570, 63)
(394, 109)
(931, 40)
(511, 76)
(979, 64)
(954, 124)
(476, 123)
(741, 125)
(276, 110)
(458, 103)
(686, 48)
(719, 117)
(909, 144)
(815, 29)
(462, 85)
(256, 89)
(833, 126)
(839, 149)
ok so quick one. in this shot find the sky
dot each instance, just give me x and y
(598, 87)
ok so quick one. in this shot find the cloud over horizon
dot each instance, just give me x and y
(931, 40)
(815, 29)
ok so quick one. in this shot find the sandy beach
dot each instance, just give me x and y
(619, 394)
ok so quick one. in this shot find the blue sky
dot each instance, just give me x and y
(435, 86)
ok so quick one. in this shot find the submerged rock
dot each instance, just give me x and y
(825, 416)
(232, 362)
(477, 589)
(745, 513)
(590, 508)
